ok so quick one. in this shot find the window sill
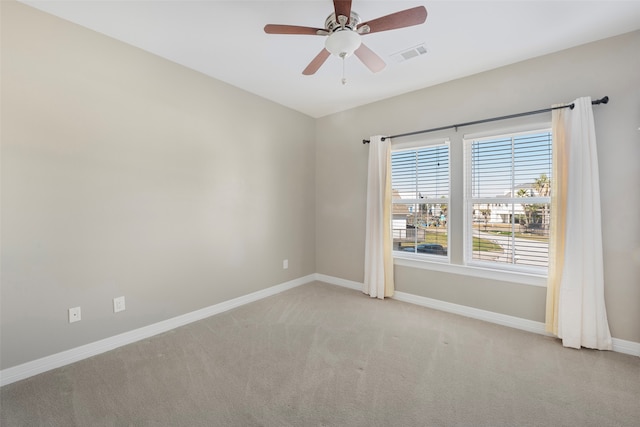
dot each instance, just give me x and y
(466, 270)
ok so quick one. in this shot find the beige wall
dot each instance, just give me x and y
(609, 67)
(126, 174)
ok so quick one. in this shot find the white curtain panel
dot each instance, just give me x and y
(378, 258)
(581, 313)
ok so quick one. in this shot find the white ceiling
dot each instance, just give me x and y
(225, 40)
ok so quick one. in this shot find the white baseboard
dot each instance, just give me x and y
(28, 369)
(356, 286)
(619, 345)
(626, 347)
(474, 313)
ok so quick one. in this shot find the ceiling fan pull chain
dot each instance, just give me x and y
(344, 79)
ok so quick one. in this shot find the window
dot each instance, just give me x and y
(507, 201)
(420, 185)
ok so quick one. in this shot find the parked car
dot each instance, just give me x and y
(427, 248)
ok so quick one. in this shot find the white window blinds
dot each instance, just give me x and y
(508, 199)
(420, 184)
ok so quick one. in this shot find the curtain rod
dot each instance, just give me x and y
(603, 100)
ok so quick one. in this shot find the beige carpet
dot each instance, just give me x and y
(321, 355)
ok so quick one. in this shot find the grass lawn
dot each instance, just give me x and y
(521, 235)
(484, 245)
(479, 244)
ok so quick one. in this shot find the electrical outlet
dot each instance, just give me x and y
(74, 314)
(285, 264)
(118, 304)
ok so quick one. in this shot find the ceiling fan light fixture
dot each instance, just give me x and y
(343, 43)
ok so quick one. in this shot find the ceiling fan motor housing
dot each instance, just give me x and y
(332, 23)
(343, 39)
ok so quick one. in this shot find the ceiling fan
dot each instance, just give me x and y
(343, 30)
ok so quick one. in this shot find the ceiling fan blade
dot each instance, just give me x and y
(404, 18)
(369, 58)
(316, 63)
(293, 29)
(342, 7)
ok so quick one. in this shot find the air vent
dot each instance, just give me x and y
(412, 52)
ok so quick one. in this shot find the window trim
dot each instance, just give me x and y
(443, 264)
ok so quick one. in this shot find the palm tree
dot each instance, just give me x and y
(486, 214)
(423, 209)
(523, 192)
(542, 186)
(444, 207)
